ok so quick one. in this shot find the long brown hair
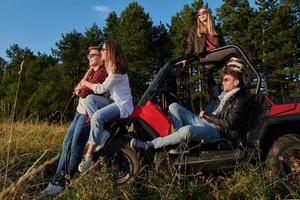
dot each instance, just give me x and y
(115, 60)
(206, 29)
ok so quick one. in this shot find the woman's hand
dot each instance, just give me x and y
(83, 82)
(86, 83)
(183, 62)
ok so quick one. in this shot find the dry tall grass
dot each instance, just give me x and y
(35, 144)
(30, 145)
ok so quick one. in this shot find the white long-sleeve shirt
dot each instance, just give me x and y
(118, 86)
(80, 107)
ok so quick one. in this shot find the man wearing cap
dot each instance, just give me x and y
(228, 116)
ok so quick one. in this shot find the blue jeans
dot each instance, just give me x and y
(98, 120)
(188, 127)
(212, 104)
(74, 141)
(95, 102)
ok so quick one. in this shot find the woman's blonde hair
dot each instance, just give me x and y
(115, 61)
(210, 26)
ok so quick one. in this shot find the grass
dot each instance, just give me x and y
(28, 142)
(32, 144)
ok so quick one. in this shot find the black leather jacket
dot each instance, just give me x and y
(196, 44)
(231, 121)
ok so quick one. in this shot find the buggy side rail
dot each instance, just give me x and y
(156, 83)
(217, 57)
(220, 55)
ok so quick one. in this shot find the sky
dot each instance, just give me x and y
(39, 24)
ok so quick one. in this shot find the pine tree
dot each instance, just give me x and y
(267, 35)
(278, 30)
(68, 47)
(111, 30)
(69, 53)
(135, 38)
(17, 54)
(52, 95)
(235, 18)
(9, 82)
(30, 76)
(162, 45)
(92, 36)
(3, 64)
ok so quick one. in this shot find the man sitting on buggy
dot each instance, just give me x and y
(227, 119)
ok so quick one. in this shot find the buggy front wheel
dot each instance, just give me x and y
(123, 164)
(284, 157)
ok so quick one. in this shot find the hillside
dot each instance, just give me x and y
(26, 165)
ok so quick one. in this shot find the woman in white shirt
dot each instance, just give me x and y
(117, 83)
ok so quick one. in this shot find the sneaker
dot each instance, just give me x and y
(85, 164)
(180, 150)
(53, 189)
(104, 138)
(138, 144)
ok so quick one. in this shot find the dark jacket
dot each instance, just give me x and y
(195, 44)
(231, 121)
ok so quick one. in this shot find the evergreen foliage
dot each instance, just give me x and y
(161, 46)
(111, 30)
(135, 38)
(268, 33)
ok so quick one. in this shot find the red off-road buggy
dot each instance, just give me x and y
(271, 134)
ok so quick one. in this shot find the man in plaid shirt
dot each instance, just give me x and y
(78, 132)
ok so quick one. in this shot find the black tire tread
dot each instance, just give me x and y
(278, 148)
(123, 146)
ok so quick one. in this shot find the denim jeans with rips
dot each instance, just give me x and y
(189, 127)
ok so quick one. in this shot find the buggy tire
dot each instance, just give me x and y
(123, 164)
(284, 157)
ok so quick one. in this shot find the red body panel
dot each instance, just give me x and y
(284, 109)
(154, 117)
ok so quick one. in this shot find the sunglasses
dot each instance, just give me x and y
(228, 79)
(202, 13)
(92, 55)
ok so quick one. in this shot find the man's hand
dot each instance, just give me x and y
(183, 62)
(201, 113)
(77, 88)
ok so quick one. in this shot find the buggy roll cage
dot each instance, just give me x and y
(216, 56)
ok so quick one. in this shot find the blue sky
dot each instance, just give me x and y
(38, 24)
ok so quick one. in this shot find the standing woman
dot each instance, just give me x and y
(117, 83)
(203, 36)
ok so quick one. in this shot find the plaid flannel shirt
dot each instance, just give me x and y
(98, 76)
